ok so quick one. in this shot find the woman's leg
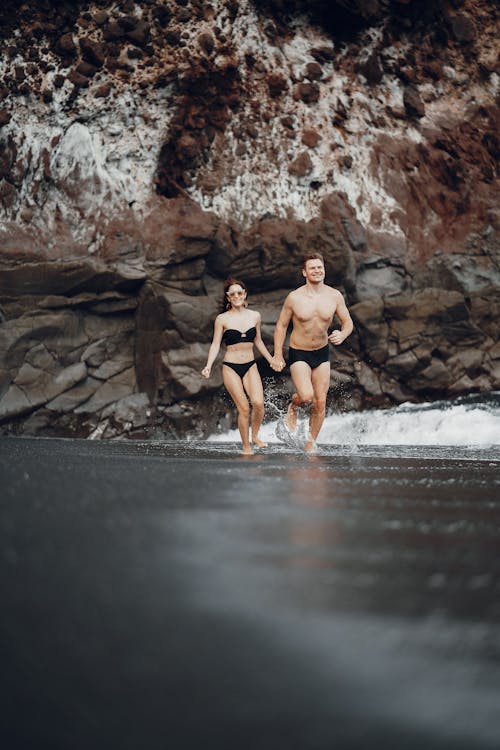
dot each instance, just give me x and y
(253, 386)
(234, 387)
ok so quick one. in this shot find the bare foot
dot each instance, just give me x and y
(311, 447)
(246, 452)
(258, 442)
(291, 418)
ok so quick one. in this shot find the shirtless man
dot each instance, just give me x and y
(311, 309)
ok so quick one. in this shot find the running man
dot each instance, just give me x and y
(311, 308)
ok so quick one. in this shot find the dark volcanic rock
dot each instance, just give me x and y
(92, 52)
(463, 28)
(66, 46)
(371, 69)
(111, 270)
(67, 277)
(413, 102)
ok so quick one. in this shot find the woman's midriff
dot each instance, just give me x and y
(239, 353)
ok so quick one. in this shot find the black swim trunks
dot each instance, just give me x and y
(313, 357)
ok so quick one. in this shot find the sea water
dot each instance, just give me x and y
(469, 422)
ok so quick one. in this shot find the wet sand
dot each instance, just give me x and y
(181, 596)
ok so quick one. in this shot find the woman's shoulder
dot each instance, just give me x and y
(221, 320)
(253, 319)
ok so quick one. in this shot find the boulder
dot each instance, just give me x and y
(368, 380)
(182, 372)
(402, 364)
(67, 277)
(368, 317)
(114, 389)
(34, 387)
(133, 410)
(381, 279)
(434, 377)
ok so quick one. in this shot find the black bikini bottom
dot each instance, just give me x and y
(313, 357)
(240, 369)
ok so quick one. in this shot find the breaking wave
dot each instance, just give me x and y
(472, 420)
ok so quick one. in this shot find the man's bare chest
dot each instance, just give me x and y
(310, 309)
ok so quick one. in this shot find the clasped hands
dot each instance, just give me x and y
(277, 364)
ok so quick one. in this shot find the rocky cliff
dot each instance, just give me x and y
(148, 150)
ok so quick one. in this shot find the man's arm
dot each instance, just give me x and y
(280, 331)
(259, 344)
(342, 313)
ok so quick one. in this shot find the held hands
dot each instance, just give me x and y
(277, 363)
(336, 337)
(206, 372)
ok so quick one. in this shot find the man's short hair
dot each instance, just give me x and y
(313, 256)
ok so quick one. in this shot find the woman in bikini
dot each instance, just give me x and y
(239, 329)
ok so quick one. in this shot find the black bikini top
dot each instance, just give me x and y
(233, 336)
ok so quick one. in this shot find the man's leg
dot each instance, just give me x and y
(320, 377)
(304, 392)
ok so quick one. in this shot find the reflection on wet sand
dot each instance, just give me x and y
(311, 535)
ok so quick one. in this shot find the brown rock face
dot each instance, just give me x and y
(205, 107)
(149, 150)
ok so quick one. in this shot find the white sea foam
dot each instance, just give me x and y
(463, 422)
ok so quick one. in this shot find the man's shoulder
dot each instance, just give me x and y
(296, 296)
(293, 295)
(332, 292)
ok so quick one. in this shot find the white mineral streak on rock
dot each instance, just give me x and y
(259, 183)
(104, 158)
(103, 155)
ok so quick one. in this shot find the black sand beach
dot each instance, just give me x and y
(179, 596)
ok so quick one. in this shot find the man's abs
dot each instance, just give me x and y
(312, 336)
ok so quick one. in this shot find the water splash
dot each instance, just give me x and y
(473, 420)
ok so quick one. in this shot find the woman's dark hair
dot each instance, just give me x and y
(228, 283)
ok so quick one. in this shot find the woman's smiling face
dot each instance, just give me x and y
(236, 295)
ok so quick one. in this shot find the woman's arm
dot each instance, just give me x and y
(214, 347)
